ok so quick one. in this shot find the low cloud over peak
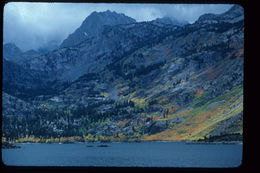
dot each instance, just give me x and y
(33, 25)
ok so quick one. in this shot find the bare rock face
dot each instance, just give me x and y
(93, 25)
(156, 126)
(233, 15)
(94, 54)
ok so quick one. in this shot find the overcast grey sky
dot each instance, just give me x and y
(32, 25)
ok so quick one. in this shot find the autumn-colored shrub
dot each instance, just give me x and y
(199, 93)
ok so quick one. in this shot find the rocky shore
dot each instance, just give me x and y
(221, 139)
(7, 145)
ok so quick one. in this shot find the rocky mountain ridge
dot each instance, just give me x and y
(93, 25)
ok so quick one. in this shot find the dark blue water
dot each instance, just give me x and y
(144, 154)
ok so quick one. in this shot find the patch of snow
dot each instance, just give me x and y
(55, 99)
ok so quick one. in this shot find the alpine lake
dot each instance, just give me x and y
(126, 154)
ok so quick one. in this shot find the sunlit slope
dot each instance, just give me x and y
(203, 121)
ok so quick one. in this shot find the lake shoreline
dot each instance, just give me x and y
(221, 139)
(8, 145)
(215, 142)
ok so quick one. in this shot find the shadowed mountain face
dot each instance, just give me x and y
(126, 80)
(235, 14)
(94, 54)
(94, 24)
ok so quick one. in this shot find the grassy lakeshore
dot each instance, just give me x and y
(72, 139)
(31, 139)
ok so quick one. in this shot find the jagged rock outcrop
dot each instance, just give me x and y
(233, 15)
(93, 25)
